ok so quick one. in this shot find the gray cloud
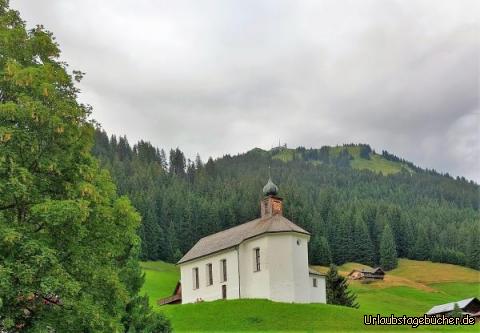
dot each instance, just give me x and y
(218, 77)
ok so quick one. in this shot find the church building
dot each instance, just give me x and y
(264, 258)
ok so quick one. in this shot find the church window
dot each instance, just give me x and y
(196, 283)
(257, 259)
(209, 275)
(223, 270)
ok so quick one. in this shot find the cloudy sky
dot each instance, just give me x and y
(218, 77)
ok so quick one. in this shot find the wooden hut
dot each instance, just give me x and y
(175, 298)
(470, 306)
(367, 274)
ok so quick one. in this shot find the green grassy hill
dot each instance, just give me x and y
(411, 289)
(375, 162)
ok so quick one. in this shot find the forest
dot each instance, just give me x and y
(353, 215)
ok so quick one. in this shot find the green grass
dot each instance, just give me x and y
(458, 289)
(263, 316)
(398, 295)
(406, 300)
(284, 154)
(160, 280)
(431, 272)
(376, 163)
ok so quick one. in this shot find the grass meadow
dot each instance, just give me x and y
(411, 289)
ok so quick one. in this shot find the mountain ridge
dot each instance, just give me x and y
(360, 156)
(342, 195)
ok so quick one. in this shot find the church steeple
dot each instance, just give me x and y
(270, 188)
(271, 204)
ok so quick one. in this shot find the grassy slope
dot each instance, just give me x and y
(376, 163)
(413, 288)
(160, 280)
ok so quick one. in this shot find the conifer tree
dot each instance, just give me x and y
(421, 248)
(319, 251)
(362, 244)
(388, 252)
(473, 248)
(457, 312)
(337, 289)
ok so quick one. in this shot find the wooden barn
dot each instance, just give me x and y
(367, 274)
(176, 297)
(470, 306)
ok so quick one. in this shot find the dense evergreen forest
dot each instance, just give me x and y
(353, 215)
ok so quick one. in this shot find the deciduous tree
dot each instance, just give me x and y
(68, 242)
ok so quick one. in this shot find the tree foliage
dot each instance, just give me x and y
(388, 252)
(68, 242)
(348, 208)
(457, 311)
(337, 289)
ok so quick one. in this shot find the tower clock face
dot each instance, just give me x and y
(276, 206)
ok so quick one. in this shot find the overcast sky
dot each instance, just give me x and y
(218, 77)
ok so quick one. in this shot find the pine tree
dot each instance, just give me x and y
(421, 248)
(457, 312)
(388, 252)
(473, 248)
(337, 289)
(319, 251)
(363, 247)
(177, 163)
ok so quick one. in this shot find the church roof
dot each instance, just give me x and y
(270, 188)
(315, 272)
(231, 237)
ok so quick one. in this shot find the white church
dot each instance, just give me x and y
(264, 258)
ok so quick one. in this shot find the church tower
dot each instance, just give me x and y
(271, 204)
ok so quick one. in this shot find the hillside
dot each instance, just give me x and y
(411, 289)
(359, 157)
(330, 191)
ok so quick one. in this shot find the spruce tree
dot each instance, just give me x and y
(388, 252)
(68, 242)
(473, 248)
(324, 254)
(421, 249)
(457, 312)
(337, 289)
(319, 251)
(362, 244)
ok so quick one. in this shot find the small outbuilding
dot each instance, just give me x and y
(367, 274)
(470, 306)
(175, 298)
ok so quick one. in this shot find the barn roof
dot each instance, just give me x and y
(315, 272)
(449, 306)
(376, 270)
(231, 237)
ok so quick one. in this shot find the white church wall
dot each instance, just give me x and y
(318, 294)
(300, 267)
(288, 255)
(254, 284)
(212, 292)
(283, 275)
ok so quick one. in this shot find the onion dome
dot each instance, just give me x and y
(270, 188)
